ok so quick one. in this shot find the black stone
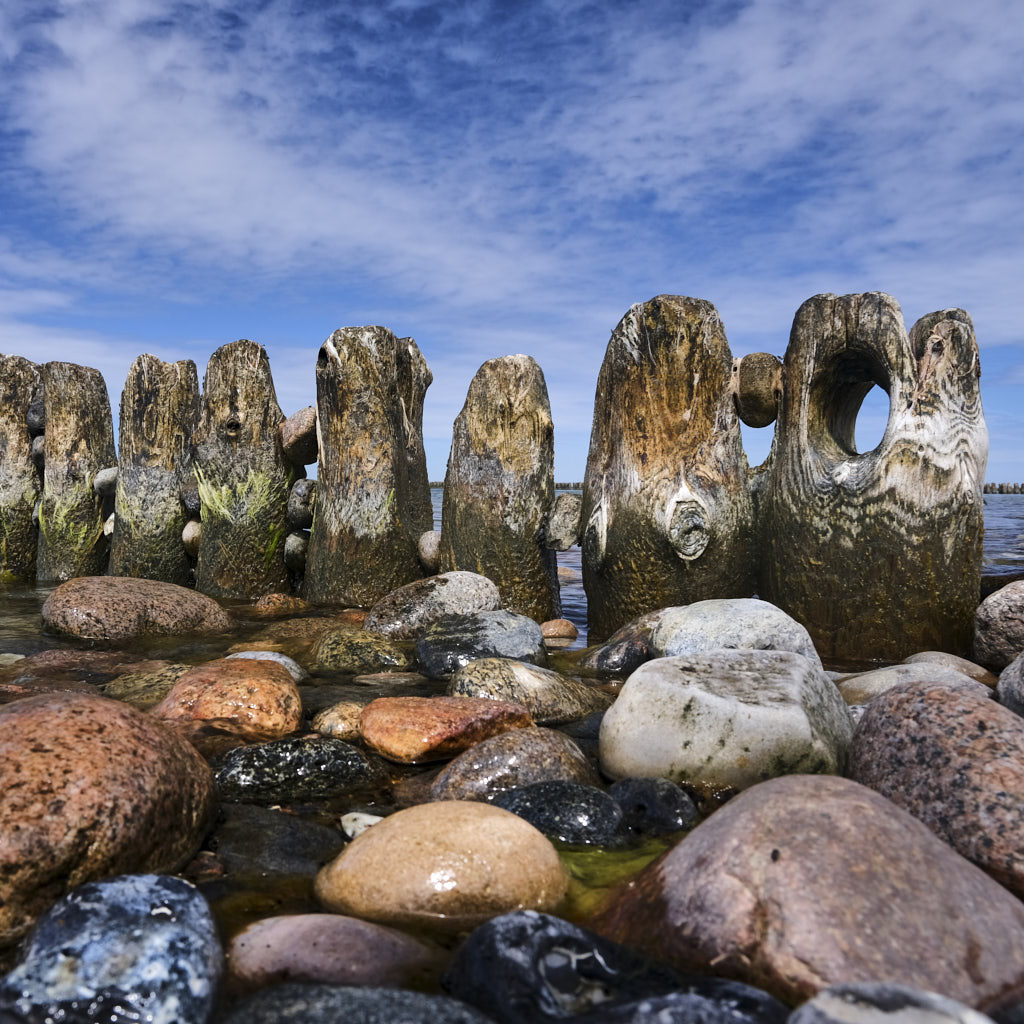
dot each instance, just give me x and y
(565, 810)
(653, 807)
(456, 640)
(625, 650)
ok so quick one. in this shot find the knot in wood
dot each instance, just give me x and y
(688, 530)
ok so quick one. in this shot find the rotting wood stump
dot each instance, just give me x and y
(20, 483)
(159, 415)
(877, 553)
(667, 511)
(500, 487)
(414, 377)
(363, 539)
(79, 442)
(243, 477)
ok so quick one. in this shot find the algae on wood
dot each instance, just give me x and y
(499, 488)
(159, 415)
(363, 540)
(20, 484)
(667, 510)
(877, 553)
(79, 442)
(243, 477)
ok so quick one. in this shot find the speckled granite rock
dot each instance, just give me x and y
(1010, 688)
(456, 640)
(968, 668)
(340, 721)
(999, 627)
(137, 947)
(866, 686)
(92, 788)
(449, 865)
(513, 759)
(954, 759)
(407, 612)
(565, 810)
(145, 689)
(789, 883)
(356, 651)
(119, 608)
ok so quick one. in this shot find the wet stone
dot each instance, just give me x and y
(881, 1002)
(456, 640)
(270, 605)
(525, 966)
(340, 721)
(301, 1004)
(144, 689)
(357, 651)
(297, 770)
(863, 687)
(405, 613)
(297, 672)
(625, 650)
(565, 810)
(136, 947)
(653, 807)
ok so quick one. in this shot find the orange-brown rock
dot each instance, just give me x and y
(558, 629)
(806, 881)
(254, 700)
(270, 605)
(92, 788)
(449, 865)
(414, 729)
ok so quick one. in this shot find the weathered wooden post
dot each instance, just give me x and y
(20, 483)
(363, 540)
(667, 511)
(79, 442)
(243, 476)
(159, 415)
(414, 377)
(500, 487)
(877, 553)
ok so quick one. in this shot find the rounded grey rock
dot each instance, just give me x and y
(131, 948)
(37, 452)
(301, 503)
(405, 613)
(456, 640)
(428, 548)
(883, 1002)
(999, 627)
(295, 547)
(1010, 689)
(563, 530)
(104, 483)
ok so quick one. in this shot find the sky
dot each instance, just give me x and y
(502, 177)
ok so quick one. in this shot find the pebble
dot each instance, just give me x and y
(340, 721)
(810, 880)
(550, 697)
(563, 526)
(119, 608)
(511, 760)
(1010, 688)
(412, 730)
(863, 687)
(356, 651)
(625, 650)
(279, 604)
(356, 822)
(297, 672)
(144, 689)
(299, 440)
(881, 1002)
(456, 640)
(954, 758)
(405, 613)
(132, 948)
(969, 668)
(92, 788)
(428, 549)
(450, 865)
(726, 719)
(999, 627)
(653, 807)
(565, 810)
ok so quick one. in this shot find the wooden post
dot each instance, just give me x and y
(243, 477)
(667, 511)
(414, 377)
(79, 442)
(877, 553)
(20, 484)
(500, 487)
(363, 540)
(159, 415)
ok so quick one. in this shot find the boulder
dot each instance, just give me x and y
(92, 788)
(863, 687)
(340, 721)
(428, 548)
(968, 668)
(136, 947)
(550, 697)
(726, 720)
(405, 613)
(1010, 689)
(416, 729)
(448, 865)
(298, 436)
(954, 758)
(741, 623)
(999, 627)
(806, 881)
(116, 608)
(456, 640)
(301, 503)
(563, 529)
(559, 629)
(356, 651)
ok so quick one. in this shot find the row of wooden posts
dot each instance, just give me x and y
(877, 553)
(1003, 489)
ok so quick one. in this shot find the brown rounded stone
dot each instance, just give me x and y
(92, 788)
(254, 700)
(449, 865)
(415, 729)
(806, 881)
(119, 608)
(558, 629)
(954, 758)
(331, 949)
(340, 721)
(270, 605)
(969, 668)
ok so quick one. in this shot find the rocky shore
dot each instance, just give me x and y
(434, 811)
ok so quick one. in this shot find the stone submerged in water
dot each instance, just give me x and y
(354, 651)
(456, 640)
(92, 788)
(787, 883)
(550, 697)
(525, 966)
(137, 947)
(448, 866)
(510, 760)
(954, 759)
(327, 1003)
(564, 810)
(295, 670)
(120, 608)
(726, 719)
(406, 612)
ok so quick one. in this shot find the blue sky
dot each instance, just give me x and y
(506, 177)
